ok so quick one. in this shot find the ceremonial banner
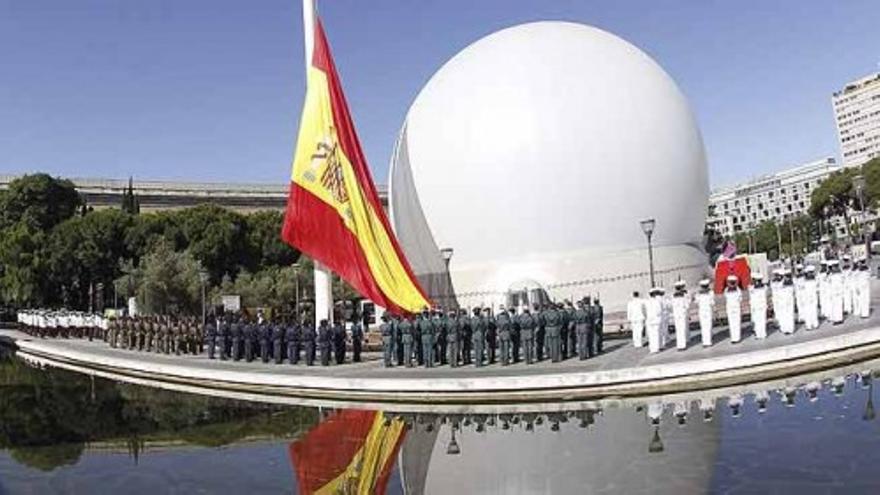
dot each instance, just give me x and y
(352, 451)
(333, 211)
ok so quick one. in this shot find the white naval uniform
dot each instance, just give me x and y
(799, 297)
(635, 313)
(864, 293)
(653, 320)
(822, 279)
(732, 300)
(784, 296)
(835, 297)
(664, 325)
(758, 308)
(810, 304)
(680, 306)
(706, 308)
(848, 284)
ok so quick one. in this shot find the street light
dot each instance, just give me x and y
(859, 185)
(203, 277)
(296, 291)
(453, 447)
(648, 228)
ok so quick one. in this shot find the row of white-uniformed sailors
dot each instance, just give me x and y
(47, 319)
(831, 294)
(787, 395)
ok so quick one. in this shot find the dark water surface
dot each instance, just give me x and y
(62, 432)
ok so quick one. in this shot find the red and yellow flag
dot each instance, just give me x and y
(333, 211)
(349, 452)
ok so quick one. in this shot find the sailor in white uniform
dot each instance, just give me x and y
(822, 280)
(654, 318)
(681, 304)
(635, 313)
(848, 285)
(706, 309)
(863, 292)
(783, 300)
(810, 299)
(758, 305)
(799, 280)
(835, 292)
(732, 303)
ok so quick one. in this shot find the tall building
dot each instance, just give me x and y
(773, 197)
(857, 112)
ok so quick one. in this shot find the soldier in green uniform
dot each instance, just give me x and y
(563, 330)
(582, 325)
(426, 331)
(387, 332)
(181, 337)
(572, 347)
(515, 337)
(553, 322)
(137, 335)
(503, 323)
(491, 335)
(540, 332)
(527, 325)
(440, 329)
(598, 324)
(418, 350)
(247, 336)
(478, 337)
(465, 336)
(405, 327)
(357, 338)
(150, 334)
(398, 339)
(264, 335)
(452, 339)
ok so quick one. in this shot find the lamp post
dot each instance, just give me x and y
(859, 185)
(203, 277)
(453, 447)
(296, 291)
(446, 254)
(648, 228)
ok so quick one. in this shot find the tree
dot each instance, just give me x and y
(40, 201)
(166, 281)
(264, 241)
(835, 196)
(216, 237)
(130, 203)
(21, 256)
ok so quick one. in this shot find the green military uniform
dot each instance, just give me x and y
(553, 321)
(406, 336)
(504, 326)
(583, 327)
(527, 324)
(426, 330)
(387, 332)
(452, 340)
(478, 337)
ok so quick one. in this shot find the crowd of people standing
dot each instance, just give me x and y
(479, 337)
(804, 295)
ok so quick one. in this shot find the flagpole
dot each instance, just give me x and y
(323, 285)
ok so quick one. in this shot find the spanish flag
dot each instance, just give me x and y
(333, 211)
(350, 452)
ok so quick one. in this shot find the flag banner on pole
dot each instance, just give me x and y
(333, 211)
(351, 451)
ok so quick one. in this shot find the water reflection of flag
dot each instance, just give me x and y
(349, 452)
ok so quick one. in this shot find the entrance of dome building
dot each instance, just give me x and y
(526, 293)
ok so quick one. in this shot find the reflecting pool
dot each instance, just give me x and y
(62, 432)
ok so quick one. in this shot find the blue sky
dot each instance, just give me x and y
(212, 89)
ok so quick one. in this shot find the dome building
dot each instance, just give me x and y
(526, 163)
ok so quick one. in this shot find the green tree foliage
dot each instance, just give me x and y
(168, 281)
(38, 200)
(217, 238)
(264, 239)
(130, 202)
(23, 265)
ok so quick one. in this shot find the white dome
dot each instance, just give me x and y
(545, 139)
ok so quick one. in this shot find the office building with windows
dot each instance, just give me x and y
(857, 114)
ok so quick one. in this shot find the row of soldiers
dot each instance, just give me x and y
(159, 334)
(806, 296)
(456, 338)
(236, 338)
